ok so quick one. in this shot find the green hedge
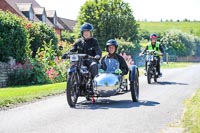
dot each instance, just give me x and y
(41, 34)
(14, 40)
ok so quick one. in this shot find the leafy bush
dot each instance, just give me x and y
(129, 48)
(41, 34)
(21, 74)
(179, 43)
(68, 37)
(13, 38)
(48, 66)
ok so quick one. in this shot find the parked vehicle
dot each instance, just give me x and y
(105, 84)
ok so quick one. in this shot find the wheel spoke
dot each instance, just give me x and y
(72, 90)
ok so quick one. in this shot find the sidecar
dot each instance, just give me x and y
(108, 83)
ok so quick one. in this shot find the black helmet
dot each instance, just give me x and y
(153, 36)
(111, 42)
(87, 26)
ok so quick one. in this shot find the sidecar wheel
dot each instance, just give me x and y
(72, 90)
(134, 87)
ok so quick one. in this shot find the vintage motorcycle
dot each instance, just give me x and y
(105, 84)
(151, 62)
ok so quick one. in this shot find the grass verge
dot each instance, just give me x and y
(14, 95)
(175, 65)
(191, 118)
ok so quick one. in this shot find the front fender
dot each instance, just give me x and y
(132, 73)
(71, 70)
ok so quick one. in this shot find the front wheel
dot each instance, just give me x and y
(149, 75)
(72, 91)
(134, 87)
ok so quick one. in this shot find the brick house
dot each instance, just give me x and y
(32, 11)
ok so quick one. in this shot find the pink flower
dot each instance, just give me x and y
(31, 66)
(51, 73)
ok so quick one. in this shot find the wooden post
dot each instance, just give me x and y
(167, 58)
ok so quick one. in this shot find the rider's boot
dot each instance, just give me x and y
(89, 87)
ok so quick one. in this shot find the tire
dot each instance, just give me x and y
(72, 92)
(149, 75)
(134, 87)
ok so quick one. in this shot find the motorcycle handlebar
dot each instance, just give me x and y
(151, 51)
(67, 55)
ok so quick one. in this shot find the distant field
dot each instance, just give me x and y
(189, 27)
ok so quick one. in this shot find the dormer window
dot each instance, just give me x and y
(27, 10)
(51, 14)
(40, 13)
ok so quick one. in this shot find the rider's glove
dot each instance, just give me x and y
(140, 54)
(64, 56)
(97, 57)
(118, 71)
(101, 71)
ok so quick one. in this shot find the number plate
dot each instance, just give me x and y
(149, 57)
(73, 57)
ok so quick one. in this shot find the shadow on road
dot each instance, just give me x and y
(170, 83)
(107, 103)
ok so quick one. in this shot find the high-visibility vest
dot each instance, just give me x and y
(156, 48)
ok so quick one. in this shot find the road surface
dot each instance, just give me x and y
(160, 105)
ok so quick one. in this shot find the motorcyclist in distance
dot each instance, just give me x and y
(154, 45)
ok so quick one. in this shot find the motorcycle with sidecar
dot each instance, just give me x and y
(105, 84)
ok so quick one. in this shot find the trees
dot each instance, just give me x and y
(180, 43)
(110, 18)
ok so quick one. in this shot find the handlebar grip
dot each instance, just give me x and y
(64, 56)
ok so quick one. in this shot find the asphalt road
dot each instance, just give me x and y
(160, 105)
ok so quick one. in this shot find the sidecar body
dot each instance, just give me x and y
(108, 83)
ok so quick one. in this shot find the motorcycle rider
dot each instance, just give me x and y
(89, 45)
(111, 48)
(154, 45)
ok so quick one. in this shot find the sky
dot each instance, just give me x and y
(150, 10)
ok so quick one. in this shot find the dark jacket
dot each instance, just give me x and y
(122, 63)
(89, 46)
